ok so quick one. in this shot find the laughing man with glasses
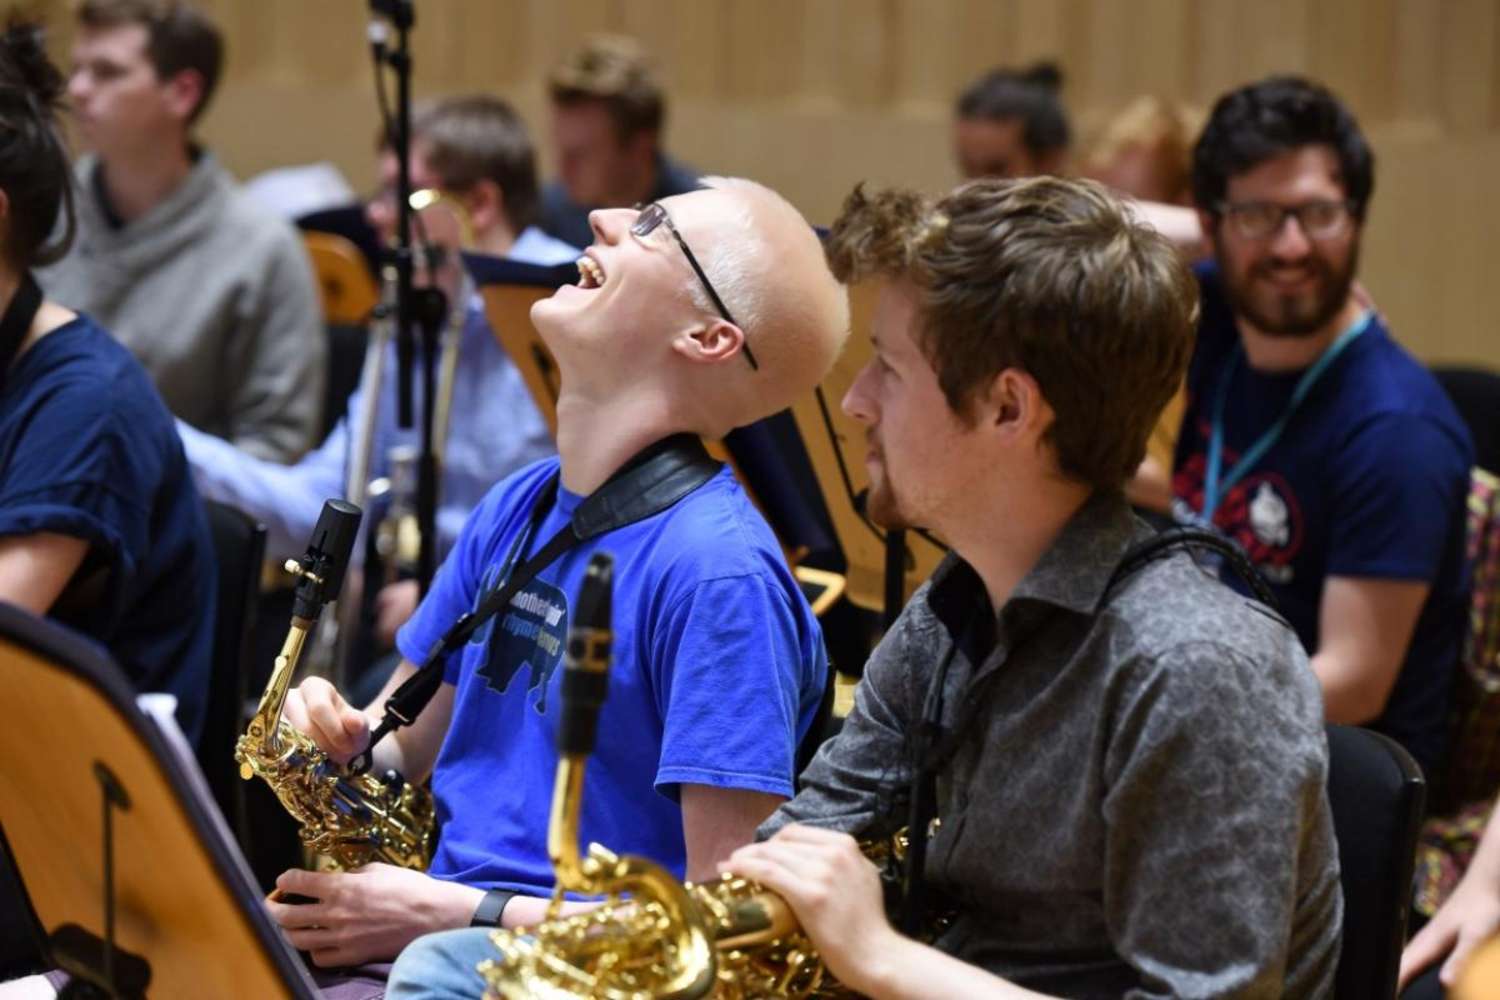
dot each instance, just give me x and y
(718, 666)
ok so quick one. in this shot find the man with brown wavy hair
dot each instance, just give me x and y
(1128, 768)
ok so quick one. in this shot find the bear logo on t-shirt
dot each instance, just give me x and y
(532, 634)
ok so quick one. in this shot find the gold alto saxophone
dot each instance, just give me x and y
(727, 939)
(351, 819)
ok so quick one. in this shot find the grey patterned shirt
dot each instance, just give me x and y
(1138, 807)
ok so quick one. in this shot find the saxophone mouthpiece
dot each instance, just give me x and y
(585, 681)
(321, 568)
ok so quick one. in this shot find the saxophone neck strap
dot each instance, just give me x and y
(651, 482)
(15, 324)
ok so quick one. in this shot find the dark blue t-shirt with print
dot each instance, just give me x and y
(717, 673)
(88, 450)
(1369, 479)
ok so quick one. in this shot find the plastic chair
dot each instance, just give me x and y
(1475, 393)
(240, 545)
(1376, 794)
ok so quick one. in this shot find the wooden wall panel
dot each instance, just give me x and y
(813, 95)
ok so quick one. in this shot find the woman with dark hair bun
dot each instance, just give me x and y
(100, 525)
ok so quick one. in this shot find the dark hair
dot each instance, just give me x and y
(1033, 95)
(179, 37)
(1050, 276)
(616, 72)
(481, 138)
(34, 171)
(1262, 120)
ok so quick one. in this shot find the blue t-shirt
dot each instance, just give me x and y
(717, 674)
(1369, 479)
(88, 449)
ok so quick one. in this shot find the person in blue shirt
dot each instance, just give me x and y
(1311, 437)
(718, 661)
(477, 150)
(100, 526)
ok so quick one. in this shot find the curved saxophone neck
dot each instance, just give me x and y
(562, 826)
(266, 722)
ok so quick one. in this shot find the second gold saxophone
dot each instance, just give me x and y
(728, 939)
(351, 819)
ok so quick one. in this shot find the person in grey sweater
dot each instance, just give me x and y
(215, 296)
(1128, 771)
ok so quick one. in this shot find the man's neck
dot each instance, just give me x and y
(594, 439)
(136, 183)
(1267, 353)
(1003, 547)
(495, 241)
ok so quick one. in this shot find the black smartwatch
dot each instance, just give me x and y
(491, 908)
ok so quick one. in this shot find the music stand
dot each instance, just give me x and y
(883, 567)
(116, 835)
(509, 289)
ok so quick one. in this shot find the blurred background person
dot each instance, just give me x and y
(1011, 123)
(1146, 151)
(214, 295)
(608, 112)
(477, 151)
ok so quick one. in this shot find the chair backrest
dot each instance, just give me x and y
(508, 310)
(1376, 794)
(1475, 393)
(347, 291)
(835, 445)
(240, 545)
(184, 900)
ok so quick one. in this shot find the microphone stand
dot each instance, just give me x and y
(414, 307)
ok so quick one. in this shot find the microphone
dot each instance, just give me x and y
(585, 680)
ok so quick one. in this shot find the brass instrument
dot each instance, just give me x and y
(352, 820)
(399, 484)
(727, 939)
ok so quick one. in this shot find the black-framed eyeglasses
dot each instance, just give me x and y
(1258, 220)
(654, 215)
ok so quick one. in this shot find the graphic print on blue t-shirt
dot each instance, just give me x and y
(1261, 512)
(532, 634)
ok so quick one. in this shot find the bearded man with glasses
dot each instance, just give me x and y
(718, 667)
(1311, 437)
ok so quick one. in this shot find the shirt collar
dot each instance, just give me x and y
(1072, 574)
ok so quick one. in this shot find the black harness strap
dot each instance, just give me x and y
(648, 484)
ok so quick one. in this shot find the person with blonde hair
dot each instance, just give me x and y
(1146, 151)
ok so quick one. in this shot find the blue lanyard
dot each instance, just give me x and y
(1213, 487)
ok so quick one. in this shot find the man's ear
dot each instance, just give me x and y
(709, 341)
(486, 205)
(1012, 405)
(185, 92)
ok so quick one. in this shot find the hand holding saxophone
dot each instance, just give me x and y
(369, 914)
(835, 892)
(317, 710)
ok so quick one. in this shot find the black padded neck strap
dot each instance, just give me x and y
(15, 324)
(651, 482)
